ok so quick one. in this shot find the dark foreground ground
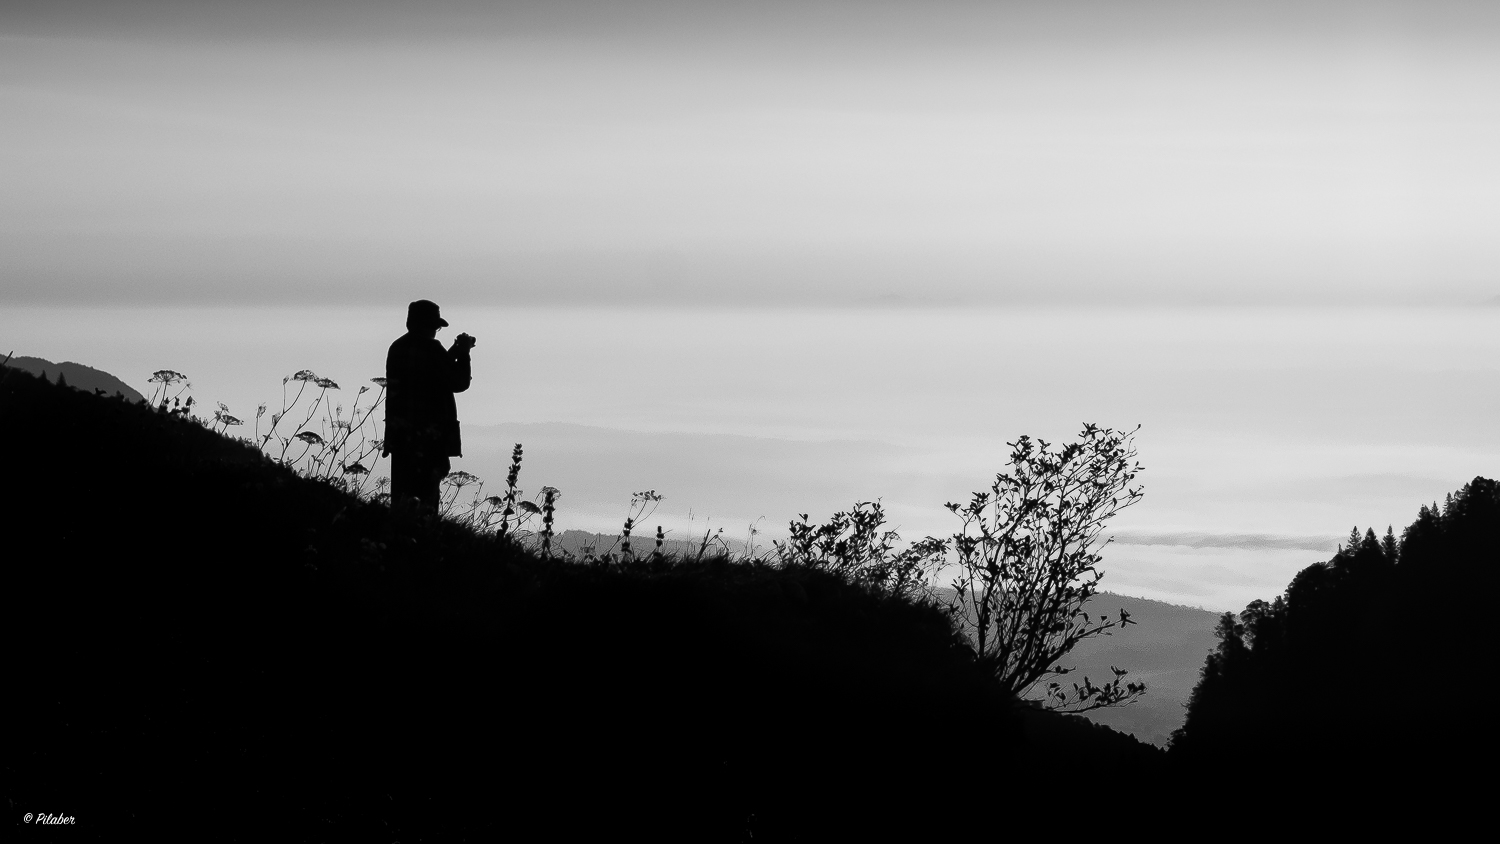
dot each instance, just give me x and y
(200, 640)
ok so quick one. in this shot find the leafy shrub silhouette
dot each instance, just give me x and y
(852, 546)
(1026, 556)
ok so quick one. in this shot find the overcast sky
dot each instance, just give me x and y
(766, 153)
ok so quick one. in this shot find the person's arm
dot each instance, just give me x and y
(398, 393)
(460, 371)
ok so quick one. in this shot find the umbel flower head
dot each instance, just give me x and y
(310, 438)
(460, 479)
(166, 376)
(356, 468)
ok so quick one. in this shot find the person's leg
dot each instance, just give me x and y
(403, 482)
(434, 470)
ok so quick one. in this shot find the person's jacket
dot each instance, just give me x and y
(420, 380)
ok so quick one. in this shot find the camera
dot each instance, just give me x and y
(465, 341)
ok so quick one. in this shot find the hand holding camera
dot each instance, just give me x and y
(464, 342)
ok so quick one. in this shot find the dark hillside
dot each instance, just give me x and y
(197, 631)
(1164, 648)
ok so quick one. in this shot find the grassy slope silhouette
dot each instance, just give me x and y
(1165, 648)
(198, 631)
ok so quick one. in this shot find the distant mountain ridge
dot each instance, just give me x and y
(1164, 647)
(78, 376)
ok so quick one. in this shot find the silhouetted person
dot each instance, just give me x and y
(421, 417)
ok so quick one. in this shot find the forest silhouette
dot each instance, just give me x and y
(203, 631)
(1355, 673)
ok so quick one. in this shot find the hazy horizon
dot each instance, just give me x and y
(1267, 433)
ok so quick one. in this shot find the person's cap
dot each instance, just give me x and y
(423, 312)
